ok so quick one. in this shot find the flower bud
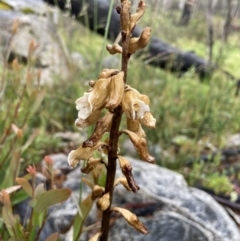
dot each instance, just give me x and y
(104, 202)
(132, 219)
(125, 16)
(141, 42)
(139, 13)
(114, 48)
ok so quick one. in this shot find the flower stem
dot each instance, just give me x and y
(111, 170)
(113, 143)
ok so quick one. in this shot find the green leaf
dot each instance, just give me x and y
(30, 140)
(51, 197)
(39, 190)
(25, 185)
(52, 237)
(85, 207)
(36, 97)
(5, 6)
(19, 197)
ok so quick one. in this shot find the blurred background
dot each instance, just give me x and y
(190, 71)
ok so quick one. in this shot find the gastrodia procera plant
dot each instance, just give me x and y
(102, 106)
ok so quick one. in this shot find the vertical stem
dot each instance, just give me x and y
(113, 143)
(111, 169)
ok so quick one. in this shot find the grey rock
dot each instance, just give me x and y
(182, 213)
(60, 161)
(162, 226)
(40, 24)
(171, 190)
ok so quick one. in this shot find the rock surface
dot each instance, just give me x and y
(41, 24)
(178, 212)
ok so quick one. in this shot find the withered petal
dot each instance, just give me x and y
(140, 145)
(116, 91)
(101, 127)
(132, 219)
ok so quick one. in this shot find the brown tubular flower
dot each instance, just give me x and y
(101, 127)
(99, 95)
(114, 48)
(135, 126)
(139, 13)
(140, 145)
(132, 104)
(148, 120)
(75, 156)
(125, 17)
(140, 42)
(116, 91)
(126, 168)
(132, 219)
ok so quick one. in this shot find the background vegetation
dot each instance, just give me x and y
(194, 117)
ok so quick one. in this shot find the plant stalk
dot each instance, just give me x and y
(113, 144)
